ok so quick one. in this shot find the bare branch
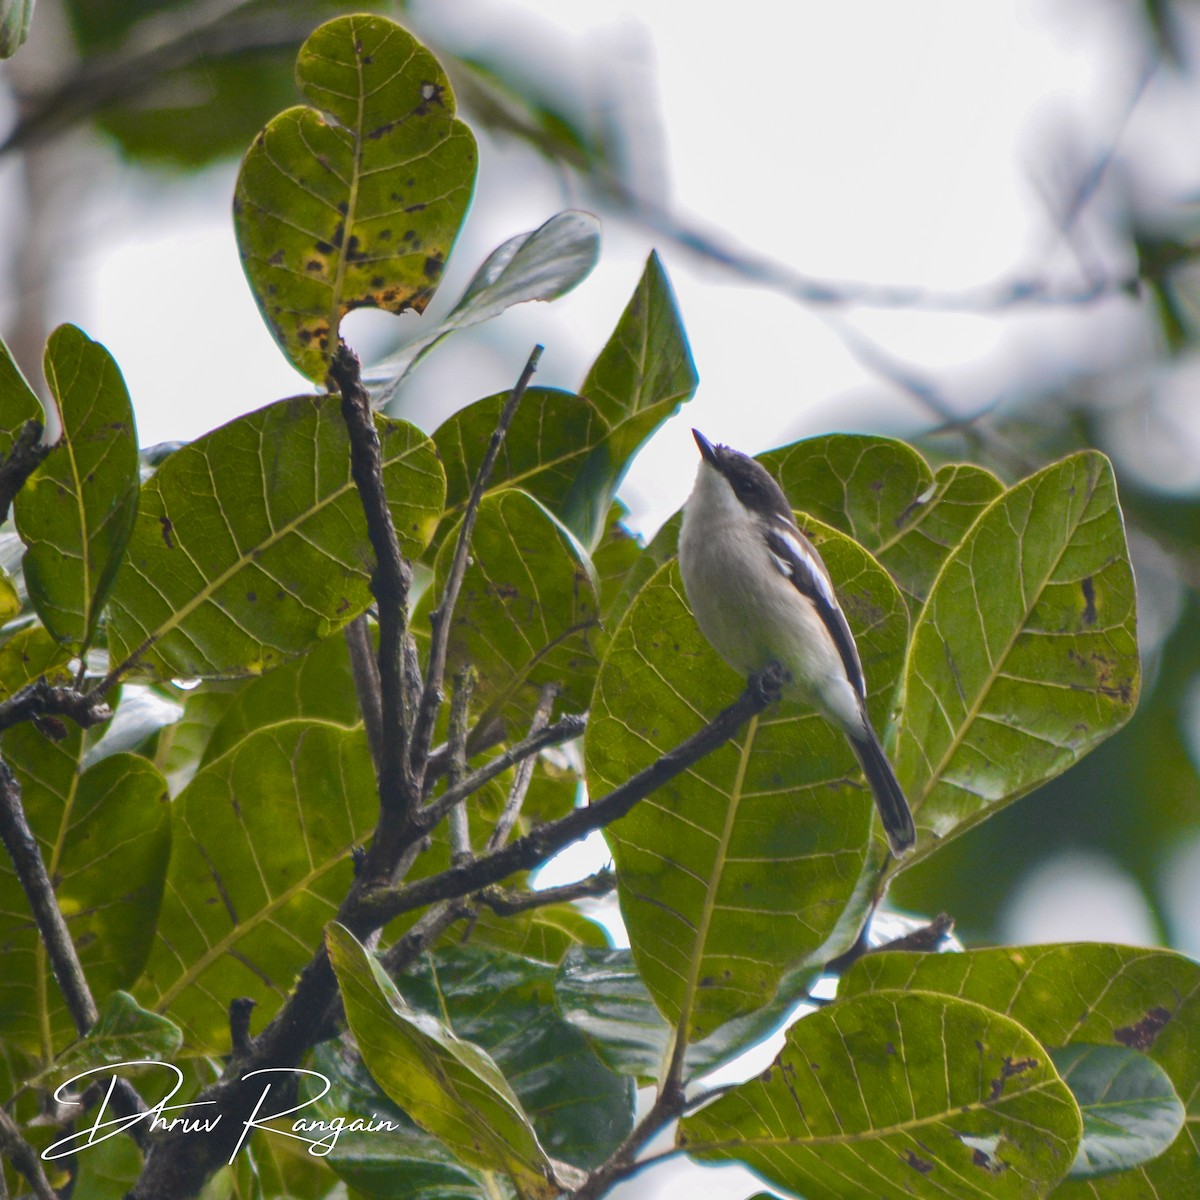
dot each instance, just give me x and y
(365, 670)
(23, 459)
(516, 794)
(24, 1158)
(563, 730)
(505, 903)
(460, 832)
(41, 699)
(442, 617)
(390, 584)
(539, 844)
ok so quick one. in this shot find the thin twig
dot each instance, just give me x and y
(540, 843)
(21, 461)
(24, 1158)
(442, 618)
(365, 670)
(459, 825)
(390, 584)
(565, 729)
(520, 786)
(505, 903)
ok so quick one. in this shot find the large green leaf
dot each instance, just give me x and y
(1131, 1113)
(250, 544)
(527, 613)
(357, 201)
(1025, 654)
(899, 1093)
(76, 512)
(263, 838)
(104, 835)
(1145, 1000)
(29, 653)
(640, 378)
(449, 1086)
(541, 265)
(506, 1005)
(882, 493)
(742, 866)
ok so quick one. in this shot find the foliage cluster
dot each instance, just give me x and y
(233, 796)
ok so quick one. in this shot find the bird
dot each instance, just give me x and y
(761, 594)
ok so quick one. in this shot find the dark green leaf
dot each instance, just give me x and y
(77, 510)
(357, 201)
(1131, 1113)
(250, 544)
(740, 868)
(505, 1004)
(1146, 1000)
(18, 402)
(883, 494)
(15, 16)
(124, 1033)
(640, 378)
(451, 1087)
(924, 1094)
(28, 654)
(104, 836)
(541, 265)
(1024, 656)
(527, 613)
(261, 860)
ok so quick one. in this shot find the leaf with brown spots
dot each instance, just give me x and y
(1016, 670)
(354, 202)
(925, 1121)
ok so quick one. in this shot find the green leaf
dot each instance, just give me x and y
(1025, 655)
(10, 601)
(916, 1092)
(1145, 1000)
(15, 16)
(506, 1005)
(551, 436)
(179, 748)
(641, 377)
(76, 512)
(601, 993)
(263, 838)
(527, 612)
(882, 493)
(1131, 1113)
(18, 401)
(28, 654)
(541, 265)
(741, 867)
(452, 1088)
(104, 835)
(317, 686)
(250, 544)
(545, 934)
(357, 201)
(124, 1033)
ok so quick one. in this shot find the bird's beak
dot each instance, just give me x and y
(707, 450)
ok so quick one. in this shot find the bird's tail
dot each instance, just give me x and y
(889, 799)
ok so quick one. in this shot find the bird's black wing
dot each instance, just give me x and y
(798, 559)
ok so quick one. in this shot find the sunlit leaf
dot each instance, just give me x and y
(1093, 994)
(250, 544)
(541, 265)
(263, 838)
(10, 601)
(899, 1090)
(76, 512)
(741, 867)
(356, 201)
(449, 1086)
(1025, 655)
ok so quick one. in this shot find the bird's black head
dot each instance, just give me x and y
(751, 482)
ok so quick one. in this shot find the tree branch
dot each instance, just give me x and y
(535, 847)
(41, 699)
(459, 826)
(505, 903)
(365, 669)
(442, 617)
(390, 584)
(24, 1158)
(23, 459)
(520, 787)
